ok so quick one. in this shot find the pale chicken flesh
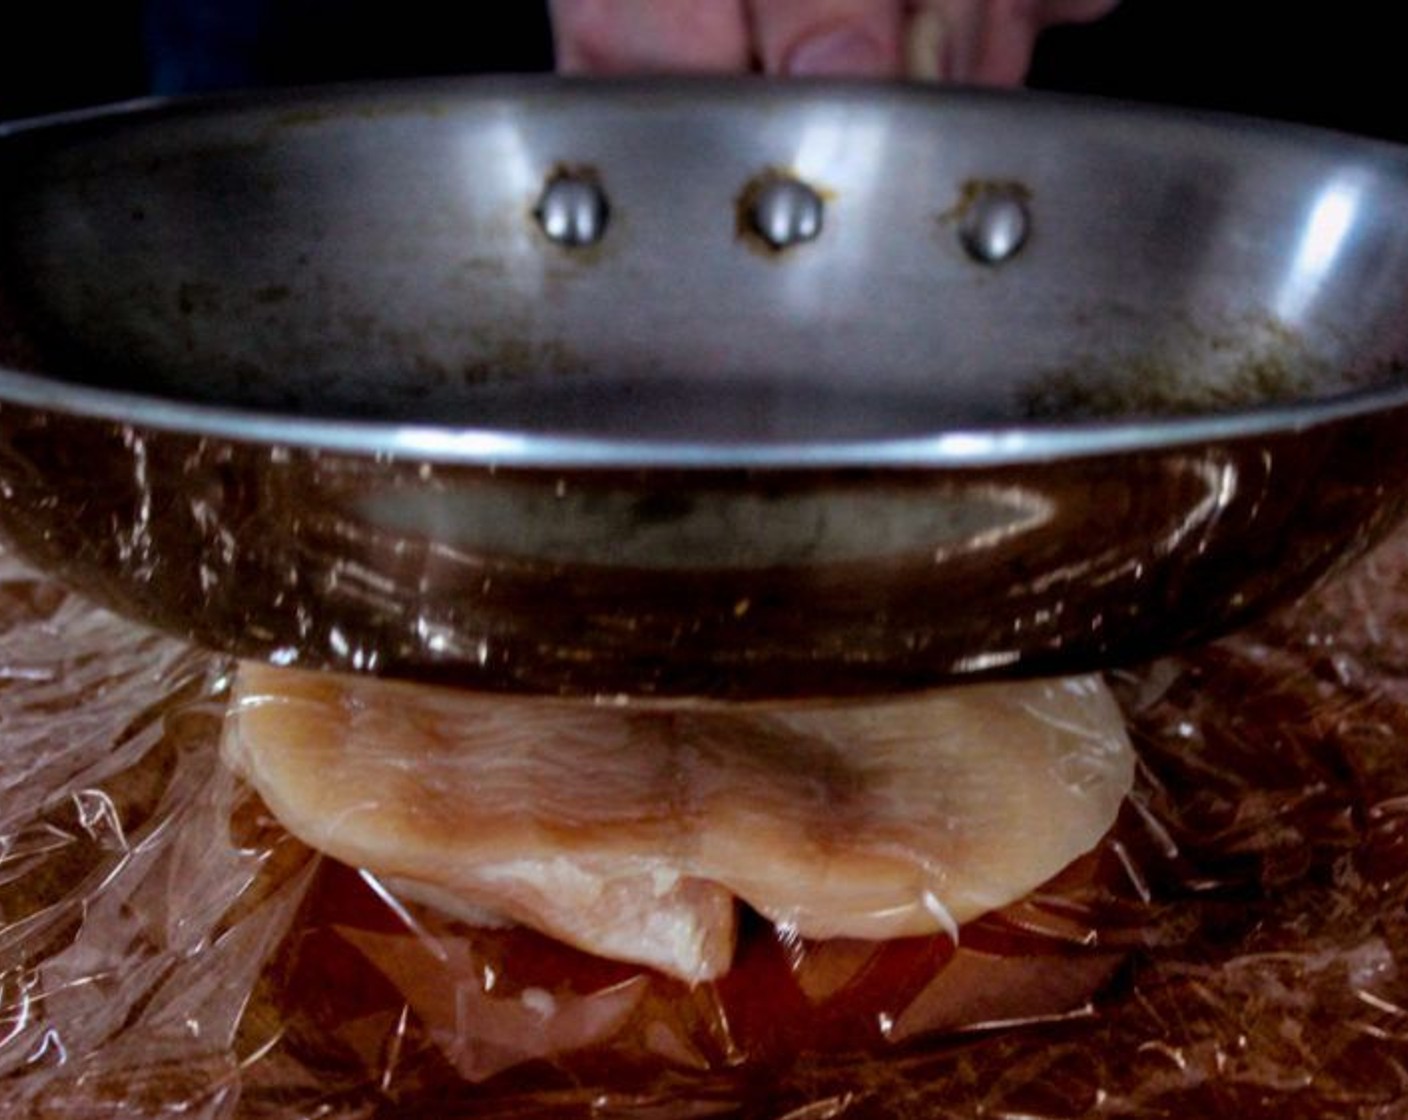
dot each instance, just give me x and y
(632, 832)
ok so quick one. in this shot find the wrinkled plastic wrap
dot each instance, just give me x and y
(1235, 946)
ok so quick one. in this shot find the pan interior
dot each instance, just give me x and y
(374, 254)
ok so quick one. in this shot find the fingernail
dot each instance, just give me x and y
(840, 52)
(926, 47)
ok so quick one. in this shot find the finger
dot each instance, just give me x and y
(831, 37)
(649, 36)
(1011, 30)
(984, 42)
(1009, 36)
(1073, 11)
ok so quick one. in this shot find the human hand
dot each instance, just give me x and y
(984, 42)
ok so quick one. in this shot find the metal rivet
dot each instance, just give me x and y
(573, 210)
(785, 212)
(995, 224)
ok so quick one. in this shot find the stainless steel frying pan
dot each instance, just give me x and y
(714, 389)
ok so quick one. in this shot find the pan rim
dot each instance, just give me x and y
(950, 448)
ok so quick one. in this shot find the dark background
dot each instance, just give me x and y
(1339, 65)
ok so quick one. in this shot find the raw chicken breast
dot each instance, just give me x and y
(630, 832)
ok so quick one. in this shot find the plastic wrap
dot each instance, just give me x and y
(1235, 947)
